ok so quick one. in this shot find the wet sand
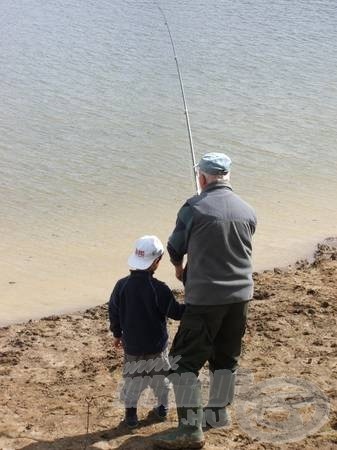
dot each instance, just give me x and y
(60, 375)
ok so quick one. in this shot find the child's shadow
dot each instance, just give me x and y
(131, 440)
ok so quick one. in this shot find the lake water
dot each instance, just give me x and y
(93, 144)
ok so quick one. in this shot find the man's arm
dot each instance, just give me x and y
(178, 241)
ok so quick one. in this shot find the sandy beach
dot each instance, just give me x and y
(60, 375)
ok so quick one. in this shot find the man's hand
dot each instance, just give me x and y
(179, 272)
(118, 342)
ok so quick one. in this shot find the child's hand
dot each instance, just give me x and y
(118, 342)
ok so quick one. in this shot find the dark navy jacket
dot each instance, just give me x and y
(138, 310)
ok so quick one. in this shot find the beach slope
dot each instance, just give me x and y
(60, 376)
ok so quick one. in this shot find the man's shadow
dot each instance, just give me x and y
(134, 441)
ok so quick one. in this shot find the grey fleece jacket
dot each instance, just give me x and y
(215, 230)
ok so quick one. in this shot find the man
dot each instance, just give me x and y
(214, 229)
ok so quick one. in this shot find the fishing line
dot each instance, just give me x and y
(184, 101)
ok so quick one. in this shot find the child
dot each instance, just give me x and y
(138, 310)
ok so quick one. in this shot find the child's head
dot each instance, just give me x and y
(147, 254)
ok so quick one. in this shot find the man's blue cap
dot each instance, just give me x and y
(214, 163)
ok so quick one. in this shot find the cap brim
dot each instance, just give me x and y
(137, 263)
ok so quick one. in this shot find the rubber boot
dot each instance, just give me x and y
(221, 394)
(216, 418)
(189, 433)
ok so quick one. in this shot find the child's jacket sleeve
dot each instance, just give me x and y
(168, 305)
(114, 318)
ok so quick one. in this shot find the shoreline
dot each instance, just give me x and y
(80, 310)
(56, 369)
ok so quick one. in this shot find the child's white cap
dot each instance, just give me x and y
(147, 249)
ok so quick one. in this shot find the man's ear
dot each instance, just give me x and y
(202, 180)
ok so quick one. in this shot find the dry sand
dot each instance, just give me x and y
(59, 375)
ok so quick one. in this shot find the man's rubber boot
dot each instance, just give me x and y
(216, 418)
(221, 394)
(185, 436)
(188, 434)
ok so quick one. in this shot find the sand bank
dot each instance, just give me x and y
(60, 375)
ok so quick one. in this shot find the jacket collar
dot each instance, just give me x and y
(217, 185)
(139, 273)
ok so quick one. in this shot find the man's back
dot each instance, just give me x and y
(219, 248)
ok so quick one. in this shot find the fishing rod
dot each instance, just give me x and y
(184, 101)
